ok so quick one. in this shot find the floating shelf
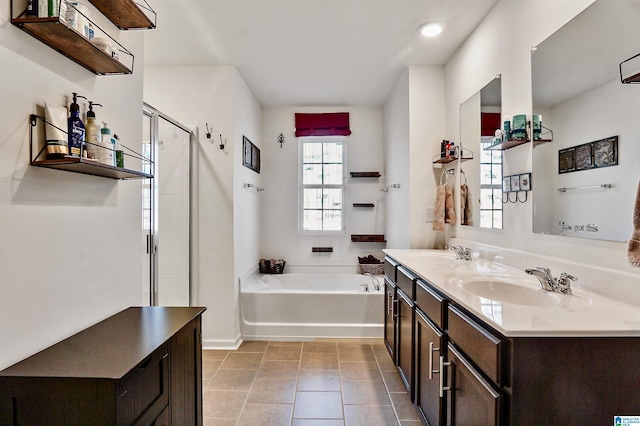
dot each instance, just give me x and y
(363, 205)
(467, 155)
(322, 249)
(509, 143)
(84, 165)
(365, 174)
(126, 14)
(368, 238)
(74, 46)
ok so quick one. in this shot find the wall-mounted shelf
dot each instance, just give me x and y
(83, 165)
(368, 238)
(321, 249)
(365, 174)
(127, 14)
(363, 205)
(545, 137)
(441, 158)
(506, 144)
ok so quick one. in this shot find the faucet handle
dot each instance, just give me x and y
(564, 282)
(565, 276)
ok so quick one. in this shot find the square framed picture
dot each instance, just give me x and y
(584, 157)
(515, 183)
(250, 155)
(566, 160)
(506, 184)
(525, 182)
(605, 152)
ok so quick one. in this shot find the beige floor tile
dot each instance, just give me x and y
(393, 381)
(242, 361)
(253, 346)
(272, 392)
(283, 353)
(214, 355)
(313, 422)
(404, 408)
(366, 415)
(355, 353)
(266, 415)
(319, 380)
(299, 344)
(209, 368)
(323, 347)
(318, 405)
(319, 361)
(359, 370)
(211, 421)
(365, 392)
(232, 380)
(223, 404)
(278, 370)
(385, 362)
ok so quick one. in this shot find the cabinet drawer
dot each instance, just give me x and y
(406, 281)
(481, 346)
(390, 266)
(431, 303)
(144, 392)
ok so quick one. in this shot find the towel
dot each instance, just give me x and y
(449, 206)
(439, 211)
(633, 251)
(465, 205)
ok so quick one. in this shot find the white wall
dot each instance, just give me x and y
(70, 247)
(279, 237)
(224, 230)
(501, 45)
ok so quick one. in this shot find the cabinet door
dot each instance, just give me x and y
(473, 400)
(390, 312)
(186, 375)
(429, 345)
(404, 347)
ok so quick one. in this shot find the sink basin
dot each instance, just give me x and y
(506, 290)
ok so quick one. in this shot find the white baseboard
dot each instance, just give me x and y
(222, 344)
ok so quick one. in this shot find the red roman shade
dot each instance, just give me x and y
(327, 124)
(489, 123)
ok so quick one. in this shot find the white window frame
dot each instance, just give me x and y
(301, 186)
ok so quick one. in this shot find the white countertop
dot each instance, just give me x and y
(527, 310)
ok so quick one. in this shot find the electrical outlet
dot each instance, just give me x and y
(431, 211)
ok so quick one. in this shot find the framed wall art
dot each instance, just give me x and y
(600, 153)
(250, 155)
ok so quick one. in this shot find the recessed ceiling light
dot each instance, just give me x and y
(430, 29)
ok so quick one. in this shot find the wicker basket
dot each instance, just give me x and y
(266, 267)
(372, 268)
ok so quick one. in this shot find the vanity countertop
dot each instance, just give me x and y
(523, 309)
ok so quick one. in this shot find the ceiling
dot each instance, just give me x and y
(311, 52)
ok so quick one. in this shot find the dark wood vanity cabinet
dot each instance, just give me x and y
(404, 346)
(390, 314)
(142, 366)
(429, 346)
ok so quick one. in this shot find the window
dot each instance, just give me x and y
(490, 186)
(322, 184)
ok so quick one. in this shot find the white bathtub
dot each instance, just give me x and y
(309, 305)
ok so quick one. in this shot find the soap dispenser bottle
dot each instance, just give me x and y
(75, 128)
(93, 135)
(106, 154)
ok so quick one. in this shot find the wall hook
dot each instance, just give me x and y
(208, 131)
(281, 139)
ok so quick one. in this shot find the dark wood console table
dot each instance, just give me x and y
(142, 366)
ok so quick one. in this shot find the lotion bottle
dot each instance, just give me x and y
(75, 128)
(106, 153)
(93, 135)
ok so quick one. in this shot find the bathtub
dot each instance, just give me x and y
(301, 306)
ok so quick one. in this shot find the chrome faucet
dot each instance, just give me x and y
(548, 283)
(462, 253)
(373, 279)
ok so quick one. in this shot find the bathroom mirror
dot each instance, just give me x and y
(480, 117)
(584, 181)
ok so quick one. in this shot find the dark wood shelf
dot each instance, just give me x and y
(126, 14)
(450, 160)
(74, 46)
(90, 167)
(368, 238)
(363, 205)
(510, 143)
(322, 250)
(365, 174)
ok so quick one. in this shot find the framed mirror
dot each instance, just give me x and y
(480, 117)
(585, 179)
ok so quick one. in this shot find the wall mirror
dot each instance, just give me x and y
(583, 183)
(480, 117)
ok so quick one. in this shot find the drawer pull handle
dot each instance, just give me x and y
(431, 370)
(443, 388)
(395, 304)
(390, 304)
(123, 394)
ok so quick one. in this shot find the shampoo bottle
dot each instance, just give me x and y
(119, 153)
(93, 135)
(75, 128)
(106, 153)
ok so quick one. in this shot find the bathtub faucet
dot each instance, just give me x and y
(373, 279)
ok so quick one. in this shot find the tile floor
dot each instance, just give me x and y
(322, 383)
